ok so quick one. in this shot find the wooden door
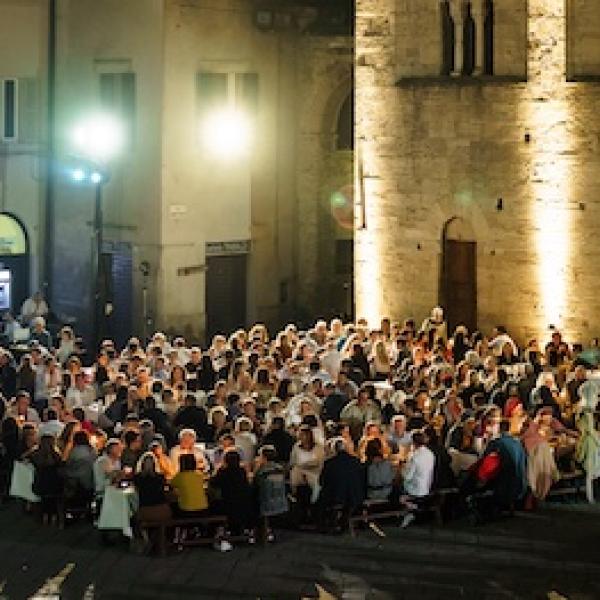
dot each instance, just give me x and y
(460, 284)
(225, 294)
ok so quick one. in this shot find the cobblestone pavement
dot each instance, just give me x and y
(529, 556)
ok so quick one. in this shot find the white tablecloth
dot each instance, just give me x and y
(21, 483)
(118, 507)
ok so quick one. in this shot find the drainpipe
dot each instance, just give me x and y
(48, 250)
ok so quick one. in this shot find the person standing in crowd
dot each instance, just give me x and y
(34, 307)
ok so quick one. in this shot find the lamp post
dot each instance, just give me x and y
(97, 140)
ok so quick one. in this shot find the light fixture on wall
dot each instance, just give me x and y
(226, 134)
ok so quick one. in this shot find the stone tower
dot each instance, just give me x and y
(477, 163)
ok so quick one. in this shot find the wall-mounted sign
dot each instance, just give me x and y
(225, 248)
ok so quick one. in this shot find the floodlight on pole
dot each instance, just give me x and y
(98, 137)
(96, 140)
(96, 177)
(78, 175)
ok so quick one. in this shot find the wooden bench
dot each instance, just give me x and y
(185, 522)
(436, 502)
(569, 484)
(380, 510)
(373, 511)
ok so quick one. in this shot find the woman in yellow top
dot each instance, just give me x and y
(189, 486)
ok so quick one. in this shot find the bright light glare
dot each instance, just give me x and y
(99, 137)
(552, 145)
(78, 175)
(226, 134)
(96, 177)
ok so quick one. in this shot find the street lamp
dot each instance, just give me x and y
(96, 140)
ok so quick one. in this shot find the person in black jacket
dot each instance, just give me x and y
(159, 419)
(280, 439)
(235, 495)
(333, 403)
(8, 375)
(191, 416)
(342, 479)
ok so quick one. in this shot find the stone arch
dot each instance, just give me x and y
(323, 171)
(14, 262)
(332, 109)
(459, 229)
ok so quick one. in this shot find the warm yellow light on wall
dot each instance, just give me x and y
(548, 115)
(366, 237)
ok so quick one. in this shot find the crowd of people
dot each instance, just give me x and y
(311, 421)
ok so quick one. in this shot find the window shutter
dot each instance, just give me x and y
(29, 106)
(246, 92)
(211, 93)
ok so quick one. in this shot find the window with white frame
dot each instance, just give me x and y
(215, 91)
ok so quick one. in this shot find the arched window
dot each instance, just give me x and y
(448, 39)
(13, 241)
(488, 25)
(468, 41)
(345, 125)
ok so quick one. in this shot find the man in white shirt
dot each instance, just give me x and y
(331, 360)
(417, 475)
(51, 425)
(81, 394)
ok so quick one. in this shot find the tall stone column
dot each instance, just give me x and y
(478, 14)
(457, 14)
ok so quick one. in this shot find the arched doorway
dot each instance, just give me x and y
(459, 274)
(14, 263)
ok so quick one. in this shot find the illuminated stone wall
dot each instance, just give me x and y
(430, 148)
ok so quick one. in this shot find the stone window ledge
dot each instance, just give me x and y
(443, 80)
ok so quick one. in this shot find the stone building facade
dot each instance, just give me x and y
(477, 162)
(195, 243)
